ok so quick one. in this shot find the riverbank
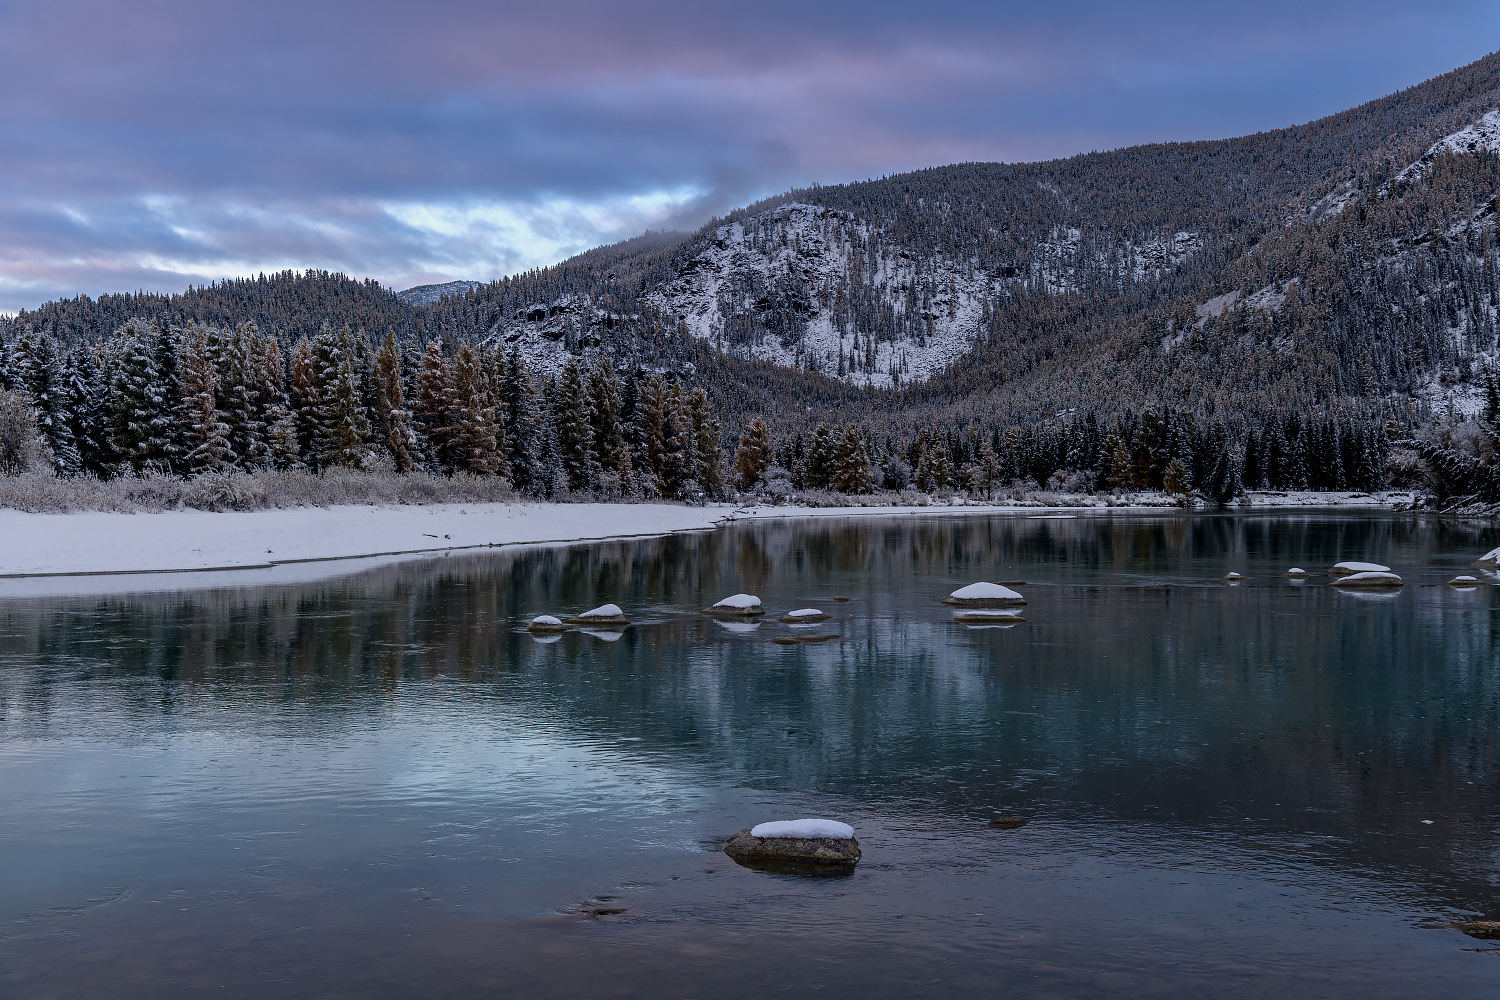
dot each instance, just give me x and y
(203, 548)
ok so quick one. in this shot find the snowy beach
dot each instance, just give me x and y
(65, 553)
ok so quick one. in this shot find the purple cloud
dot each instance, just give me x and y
(162, 142)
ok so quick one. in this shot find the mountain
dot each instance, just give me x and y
(1345, 263)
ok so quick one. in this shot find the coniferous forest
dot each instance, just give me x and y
(1316, 307)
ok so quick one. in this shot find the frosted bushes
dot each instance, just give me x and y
(23, 449)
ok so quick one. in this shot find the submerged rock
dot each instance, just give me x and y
(739, 605)
(988, 618)
(985, 594)
(805, 616)
(546, 623)
(816, 842)
(606, 614)
(842, 600)
(1369, 580)
(1008, 823)
(1486, 929)
(801, 640)
(1011, 583)
(1350, 568)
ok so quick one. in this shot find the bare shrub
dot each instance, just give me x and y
(23, 449)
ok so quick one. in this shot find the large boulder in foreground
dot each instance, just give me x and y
(812, 842)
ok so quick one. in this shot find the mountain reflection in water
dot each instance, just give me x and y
(392, 760)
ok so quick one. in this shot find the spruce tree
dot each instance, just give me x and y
(139, 421)
(573, 416)
(345, 423)
(391, 415)
(434, 408)
(202, 427)
(610, 446)
(37, 370)
(88, 403)
(851, 463)
(302, 393)
(753, 455)
(708, 461)
(474, 447)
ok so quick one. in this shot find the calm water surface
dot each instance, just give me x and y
(382, 786)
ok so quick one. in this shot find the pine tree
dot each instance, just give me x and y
(37, 370)
(391, 415)
(88, 403)
(305, 407)
(435, 405)
(708, 461)
(818, 463)
(139, 421)
(345, 423)
(753, 455)
(283, 450)
(474, 447)
(242, 383)
(573, 415)
(1121, 473)
(203, 430)
(652, 416)
(524, 429)
(610, 446)
(851, 463)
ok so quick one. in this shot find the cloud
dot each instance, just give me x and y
(161, 142)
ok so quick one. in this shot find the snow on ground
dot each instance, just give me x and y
(97, 553)
(807, 829)
(1482, 135)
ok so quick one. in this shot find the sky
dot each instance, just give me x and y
(161, 143)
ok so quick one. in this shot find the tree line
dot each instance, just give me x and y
(198, 398)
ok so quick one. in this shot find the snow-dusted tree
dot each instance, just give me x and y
(851, 463)
(474, 447)
(817, 463)
(23, 448)
(753, 455)
(434, 406)
(573, 415)
(202, 428)
(1121, 473)
(391, 414)
(935, 471)
(652, 416)
(524, 426)
(345, 425)
(302, 395)
(139, 419)
(708, 455)
(240, 366)
(609, 431)
(37, 370)
(283, 451)
(88, 404)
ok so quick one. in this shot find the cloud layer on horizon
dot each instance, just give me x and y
(160, 143)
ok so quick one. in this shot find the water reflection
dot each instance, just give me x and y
(1142, 690)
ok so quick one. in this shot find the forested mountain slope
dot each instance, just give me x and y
(1345, 263)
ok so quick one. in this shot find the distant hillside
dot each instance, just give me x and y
(1349, 261)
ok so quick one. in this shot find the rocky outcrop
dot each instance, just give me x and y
(820, 851)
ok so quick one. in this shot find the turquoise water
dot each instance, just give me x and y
(381, 785)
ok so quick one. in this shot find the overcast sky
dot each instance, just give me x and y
(157, 143)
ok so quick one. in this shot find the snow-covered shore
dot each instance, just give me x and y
(74, 553)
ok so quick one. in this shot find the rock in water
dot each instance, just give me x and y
(1464, 582)
(801, 640)
(805, 616)
(820, 842)
(1233, 577)
(1350, 568)
(1369, 580)
(985, 594)
(1490, 560)
(739, 605)
(1295, 573)
(1484, 929)
(994, 617)
(606, 614)
(545, 624)
(1008, 823)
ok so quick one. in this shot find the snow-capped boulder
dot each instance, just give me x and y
(1369, 580)
(1464, 582)
(985, 594)
(605, 614)
(1347, 568)
(740, 605)
(1232, 576)
(796, 842)
(1490, 560)
(546, 623)
(804, 616)
(1295, 573)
